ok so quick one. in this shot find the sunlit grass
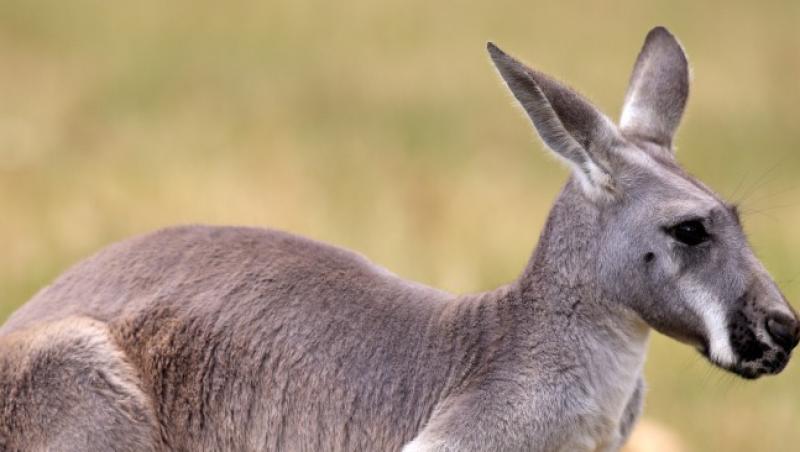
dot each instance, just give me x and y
(381, 126)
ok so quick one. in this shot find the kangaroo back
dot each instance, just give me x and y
(250, 339)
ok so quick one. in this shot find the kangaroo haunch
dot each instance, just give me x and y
(223, 338)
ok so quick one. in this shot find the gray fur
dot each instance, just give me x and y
(222, 338)
(567, 123)
(658, 89)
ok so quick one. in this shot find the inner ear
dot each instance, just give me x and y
(658, 90)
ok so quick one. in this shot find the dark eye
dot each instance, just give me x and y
(690, 232)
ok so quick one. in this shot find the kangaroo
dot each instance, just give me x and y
(228, 338)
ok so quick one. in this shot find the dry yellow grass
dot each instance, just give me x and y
(380, 126)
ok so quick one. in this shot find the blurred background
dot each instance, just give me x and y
(382, 127)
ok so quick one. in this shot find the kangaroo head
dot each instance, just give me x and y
(667, 247)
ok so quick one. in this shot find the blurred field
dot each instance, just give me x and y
(381, 126)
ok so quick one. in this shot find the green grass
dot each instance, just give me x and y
(381, 126)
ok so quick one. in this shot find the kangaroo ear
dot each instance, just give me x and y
(567, 123)
(657, 91)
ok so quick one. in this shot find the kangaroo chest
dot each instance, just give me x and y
(611, 388)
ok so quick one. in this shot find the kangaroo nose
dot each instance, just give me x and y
(784, 330)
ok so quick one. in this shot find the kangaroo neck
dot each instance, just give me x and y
(556, 312)
(560, 285)
(567, 247)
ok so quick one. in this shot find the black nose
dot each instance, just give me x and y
(784, 330)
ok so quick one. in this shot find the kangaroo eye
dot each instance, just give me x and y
(690, 232)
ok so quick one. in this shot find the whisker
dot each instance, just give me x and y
(769, 195)
(769, 210)
(753, 188)
(763, 212)
(739, 186)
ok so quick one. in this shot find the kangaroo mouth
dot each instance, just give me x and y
(733, 368)
(749, 364)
